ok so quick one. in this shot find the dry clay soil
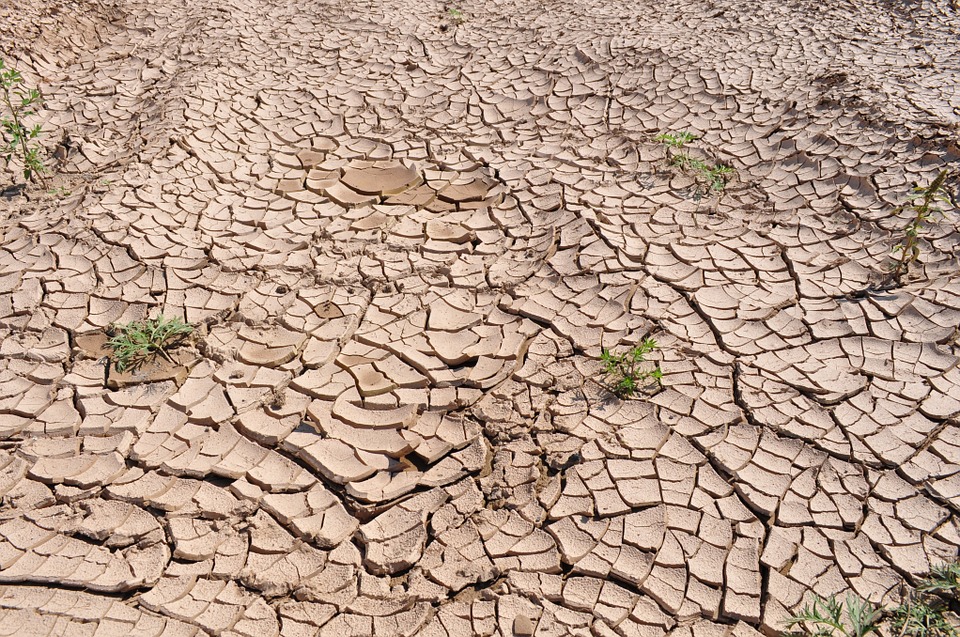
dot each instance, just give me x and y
(404, 236)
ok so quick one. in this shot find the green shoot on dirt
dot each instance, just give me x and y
(923, 204)
(718, 176)
(17, 138)
(922, 617)
(456, 15)
(710, 179)
(828, 617)
(676, 140)
(922, 613)
(943, 578)
(625, 372)
(137, 342)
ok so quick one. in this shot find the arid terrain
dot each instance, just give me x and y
(404, 233)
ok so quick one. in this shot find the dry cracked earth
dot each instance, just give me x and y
(404, 236)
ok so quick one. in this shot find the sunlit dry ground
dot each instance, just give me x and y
(404, 235)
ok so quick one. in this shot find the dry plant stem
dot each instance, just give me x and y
(903, 629)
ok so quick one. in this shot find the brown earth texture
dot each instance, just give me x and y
(404, 232)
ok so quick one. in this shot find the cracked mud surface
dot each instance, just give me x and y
(404, 241)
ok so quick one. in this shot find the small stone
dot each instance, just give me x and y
(522, 625)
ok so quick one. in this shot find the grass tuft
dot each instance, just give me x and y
(828, 617)
(924, 617)
(943, 578)
(137, 342)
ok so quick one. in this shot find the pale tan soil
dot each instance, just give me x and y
(404, 242)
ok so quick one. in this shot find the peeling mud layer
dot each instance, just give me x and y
(404, 236)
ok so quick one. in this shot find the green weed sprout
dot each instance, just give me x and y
(923, 203)
(625, 372)
(922, 613)
(943, 578)
(718, 176)
(827, 617)
(16, 137)
(676, 140)
(457, 16)
(922, 617)
(136, 342)
(709, 178)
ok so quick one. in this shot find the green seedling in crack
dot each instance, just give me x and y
(18, 139)
(676, 141)
(922, 613)
(710, 179)
(137, 342)
(626, 373)
(828, 617)
(943, 578)
(923, 204)
(456, 15)
(923, 616)
(717, 177)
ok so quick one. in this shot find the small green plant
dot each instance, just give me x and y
(943, 578)
(923, 204)
(709, 178)
(136, 342)
(718, 176)
(922, 617)
(17, 138)
(676, 140)
(456, 15)
(922, 613)
(827, 617)
(625, 372)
